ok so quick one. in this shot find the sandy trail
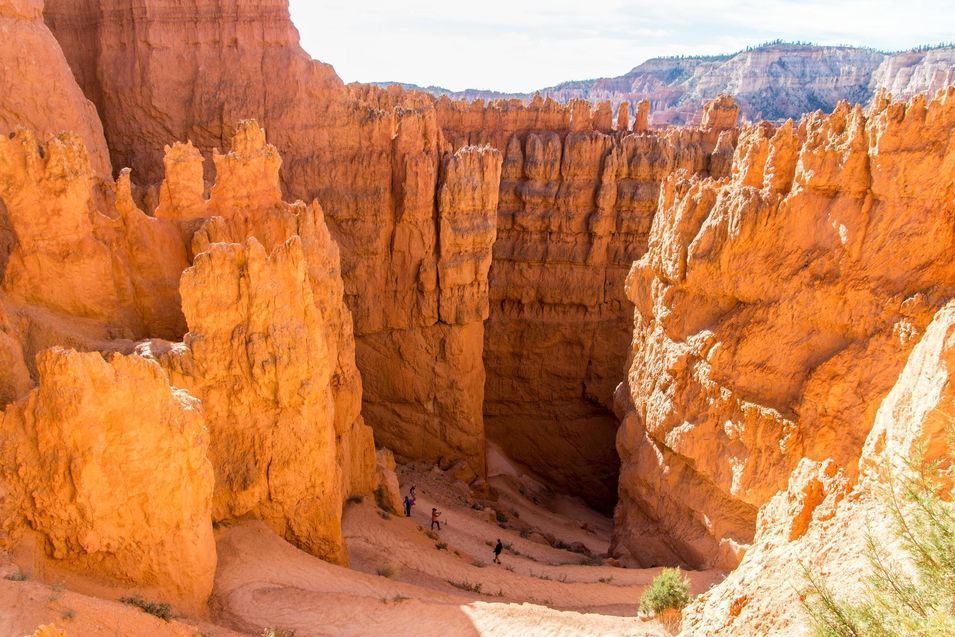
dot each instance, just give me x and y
(263, 582)
(403, 580)
(24, 605)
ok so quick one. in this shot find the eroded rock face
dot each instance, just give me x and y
(108, 465)
(269, 353)
(38, 88)
(575, 208)
(821, 521)
(775, 309)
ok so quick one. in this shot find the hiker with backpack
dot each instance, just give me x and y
(497, 551)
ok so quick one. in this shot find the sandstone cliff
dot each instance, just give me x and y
(822, 521)
(107, 464)
(433, 240)
(376, 171)
(270, 355)
(38, 88)
(775, 310)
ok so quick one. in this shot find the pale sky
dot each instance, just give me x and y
(521, 45)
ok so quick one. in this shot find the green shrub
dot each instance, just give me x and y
(441, 546)
(19, 576)
(161, 610)
(669, 589)
(501, 518)
(896, 600)
(386, 571)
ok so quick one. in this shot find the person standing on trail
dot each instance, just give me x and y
(408, 504)
(497, 551)
(435, 514)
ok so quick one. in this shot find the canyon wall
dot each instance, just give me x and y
(775, 310)
(156, 68)
(433, 240)
(165, 371)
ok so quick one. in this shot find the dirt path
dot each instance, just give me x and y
(403, 580)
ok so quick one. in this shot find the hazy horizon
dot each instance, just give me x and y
(522, 46)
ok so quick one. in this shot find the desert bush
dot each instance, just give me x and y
(466, 586)
(19, 576)
(353, 499)
(386, 570)
(899, 599)
(669, 589)
(441, 546)
(162, 610)
(500, 517)
(278, 632)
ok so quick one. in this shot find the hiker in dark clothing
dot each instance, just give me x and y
(435, 514)
(497, 552)
(408, 504)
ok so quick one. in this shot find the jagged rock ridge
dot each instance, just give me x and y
(775, 81)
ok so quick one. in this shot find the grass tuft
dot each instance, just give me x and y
(465, 586)
(162, 610)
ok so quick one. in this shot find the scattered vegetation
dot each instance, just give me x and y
(278, 632)
(605, 580)
(384, 515)
(380, 499)
(441, 546)
(899, 600)
(669, 589)
(593, 560)
(500, 517)
(67, 614)
(465, 586)
(525, 533)
(162, 610)
(510, 568)
(19, 576)
(477, 506)
(432, 535)
(355, 499)
(386, 570)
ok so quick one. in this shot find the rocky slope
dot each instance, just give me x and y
(412, 191)
(217, 377)
(773, 81)
(782, 318)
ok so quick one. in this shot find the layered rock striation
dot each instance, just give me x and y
(775, 310)
(163, 371)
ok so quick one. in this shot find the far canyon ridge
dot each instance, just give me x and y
(236, 290)
(773, 81)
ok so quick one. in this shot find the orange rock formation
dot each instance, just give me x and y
(270, 354)
(183, 335)
(775, 309)
(108, 465)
